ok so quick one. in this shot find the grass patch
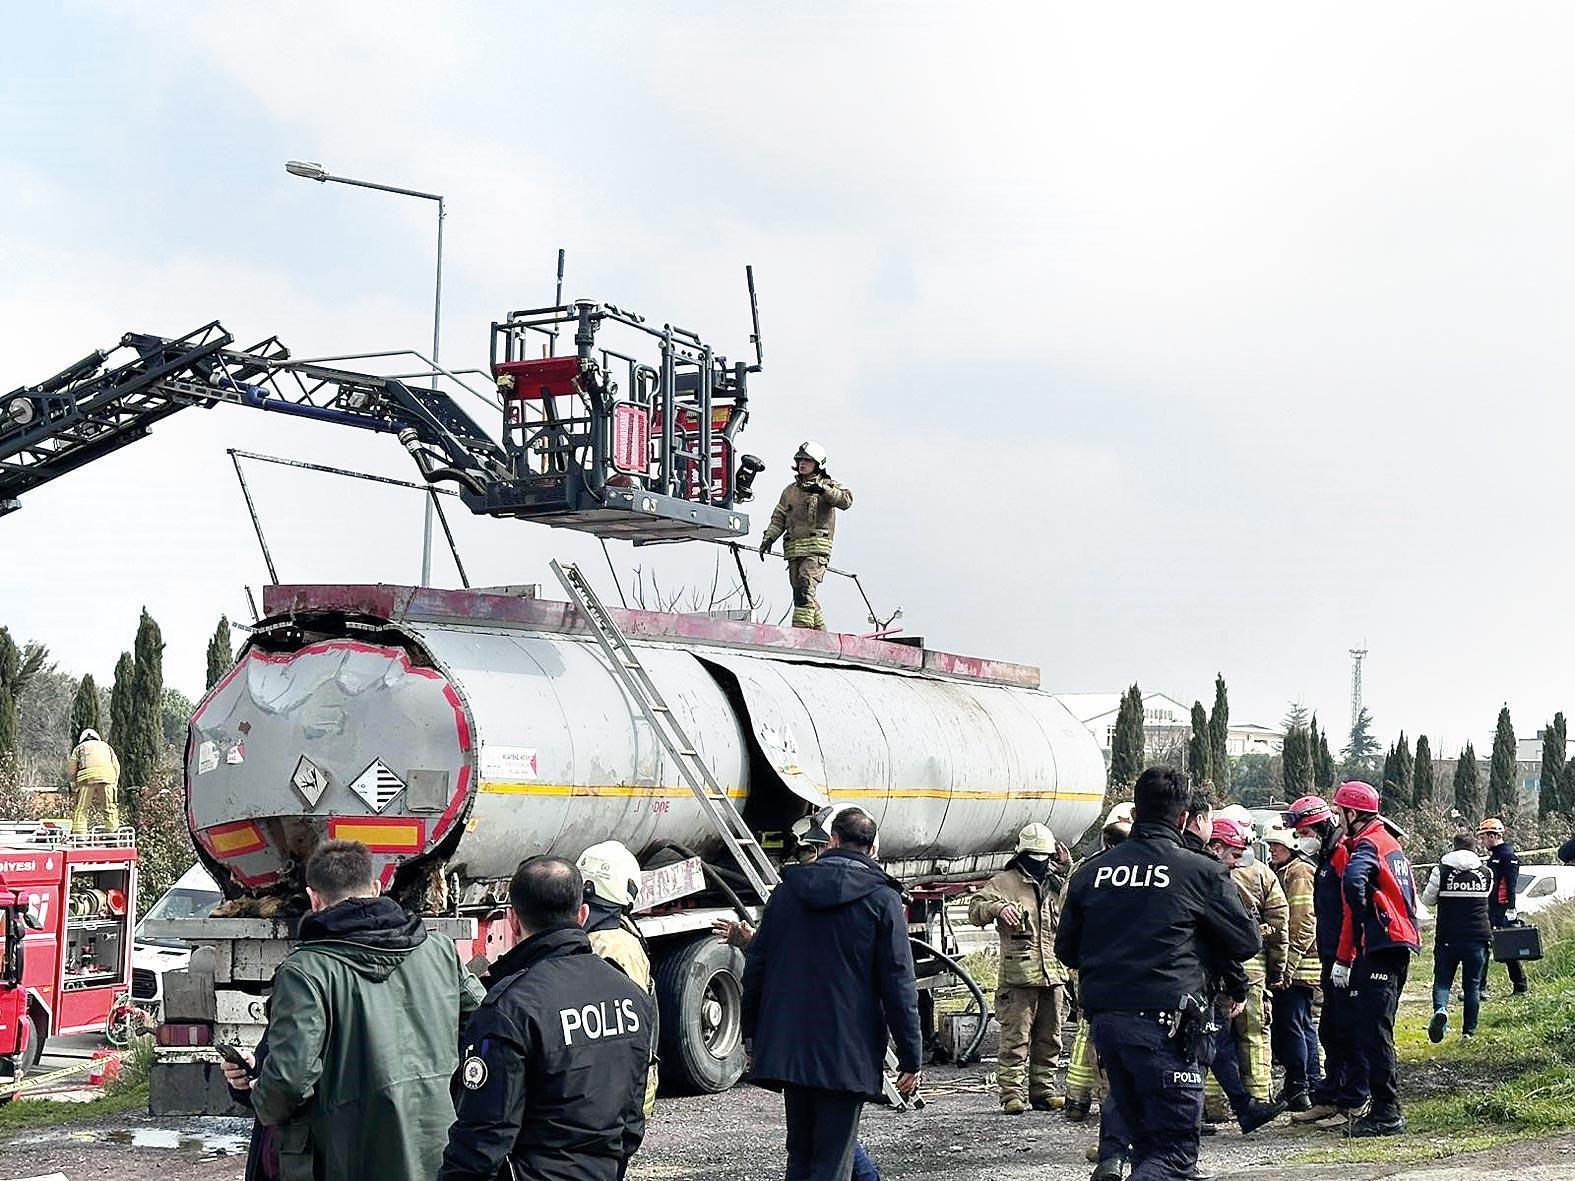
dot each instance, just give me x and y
(23, 1114)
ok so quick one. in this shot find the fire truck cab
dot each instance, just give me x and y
(66, 906)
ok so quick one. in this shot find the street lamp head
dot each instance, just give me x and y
(307, 168)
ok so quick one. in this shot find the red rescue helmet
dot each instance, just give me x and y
(1227, 832)
(1308, 810)
(1358, 796)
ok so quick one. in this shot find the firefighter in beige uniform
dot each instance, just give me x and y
(807, 515)
(1265, 900)
(94, 771)
(612, 880)
(1024, 903)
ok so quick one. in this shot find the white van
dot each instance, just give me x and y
(1542, 886)
(193, 896)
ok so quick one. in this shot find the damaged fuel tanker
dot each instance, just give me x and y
(457, 732)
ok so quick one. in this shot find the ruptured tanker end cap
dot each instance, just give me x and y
(1036, 838)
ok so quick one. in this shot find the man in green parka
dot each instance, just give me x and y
(364, 1020)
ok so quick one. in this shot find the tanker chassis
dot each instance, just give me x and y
(457, 732)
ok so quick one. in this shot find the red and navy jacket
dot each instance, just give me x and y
(1505, 865)
(1328, 906)
(1379, 911)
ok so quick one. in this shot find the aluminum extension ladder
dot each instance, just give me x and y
(741, 843)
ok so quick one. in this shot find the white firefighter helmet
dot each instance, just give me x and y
(1283, 836)
(612, 872)
(89, 735)
(1239, 815)
(1120, 817)
(809, 830)
(813, 451)
(1036, 838)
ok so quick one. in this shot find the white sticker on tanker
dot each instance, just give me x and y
(509, 763)
(207, 757)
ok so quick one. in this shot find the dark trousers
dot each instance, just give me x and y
(1469, 959)
(1517, 970)
(1157, 1091)
(822, 1128)
(1342, 1083)
(1227, 1066)
(1115, 1138)
(1295, 1043)
(1376, 981)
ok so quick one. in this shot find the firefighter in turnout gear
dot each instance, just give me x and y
(1024, 902)
(94, 771)
(552, 1075)
(806, 517)
(612, 882)
(1294, 1037)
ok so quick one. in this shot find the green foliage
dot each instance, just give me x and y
(220, 653)
(1468, 784)
(175, 716)
(1296, 764)
(18, 668)
(1295, 717)
(84, 709)
(1219, 733)
(1126, 746)
(1198, 750)
(1502, 796)
(1324, 774)
(120, 700)
(164, 848)
(1550, 796)
(1422, 778)
(1359, 751)
(1254, 780)
(139, 755)
(1399, 776)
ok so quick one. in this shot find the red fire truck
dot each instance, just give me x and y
(67, 903)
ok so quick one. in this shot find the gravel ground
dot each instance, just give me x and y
(959, 1136)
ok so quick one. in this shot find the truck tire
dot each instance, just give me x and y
(700, 997)
(34, 1049)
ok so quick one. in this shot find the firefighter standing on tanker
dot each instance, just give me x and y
(1024, 903)
(94, 771)
(806, 515)
(612, 882)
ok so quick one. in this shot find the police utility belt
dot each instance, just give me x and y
(1191, 1025)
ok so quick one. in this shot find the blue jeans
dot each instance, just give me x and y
(1227, 1066)
(1295, 1042)
(1157, 1091)
(863, 1167)
(1469, 959)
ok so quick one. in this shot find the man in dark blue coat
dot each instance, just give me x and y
(828, 976)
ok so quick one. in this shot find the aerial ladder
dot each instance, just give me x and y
(634, 439)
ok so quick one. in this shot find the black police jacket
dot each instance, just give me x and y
(1149, 921)
(552, 1076)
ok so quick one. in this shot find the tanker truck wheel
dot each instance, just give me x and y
(699, 991)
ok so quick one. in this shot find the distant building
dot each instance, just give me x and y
(1528, 761)
(1167, 725)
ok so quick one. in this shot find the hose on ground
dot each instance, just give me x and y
(956, 969)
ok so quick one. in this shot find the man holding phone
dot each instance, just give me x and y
(363, 1034)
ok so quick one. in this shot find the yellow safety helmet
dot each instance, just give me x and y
(611, 872)
(1492, 825)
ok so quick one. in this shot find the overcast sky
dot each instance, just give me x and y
(1154, 340)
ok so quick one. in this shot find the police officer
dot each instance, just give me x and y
(1141, 924)
(1505, 865)
(552, 1078)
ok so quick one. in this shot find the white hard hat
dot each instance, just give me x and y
(89, 735)
(1238, 814)
(1036, 838)
(807, 830)
(809, 449)
(612, 872)
(1282, 836)
(1121, 816)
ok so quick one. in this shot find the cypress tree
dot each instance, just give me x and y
(1550, 794)
(1501, 772)
(1468, 785)
(141, 756)
(1323, 760)
(1422, 783)
(120, 700)
(220, 653)
(1126, 743)
(1296, 764)
(1219, 734)
(84, 709)
(1405, 774)
(1312, 747)
(18, 667)
(1198, 751)
(1386, 777)
(1362, 746)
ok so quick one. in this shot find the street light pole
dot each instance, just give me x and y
(310, 170)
